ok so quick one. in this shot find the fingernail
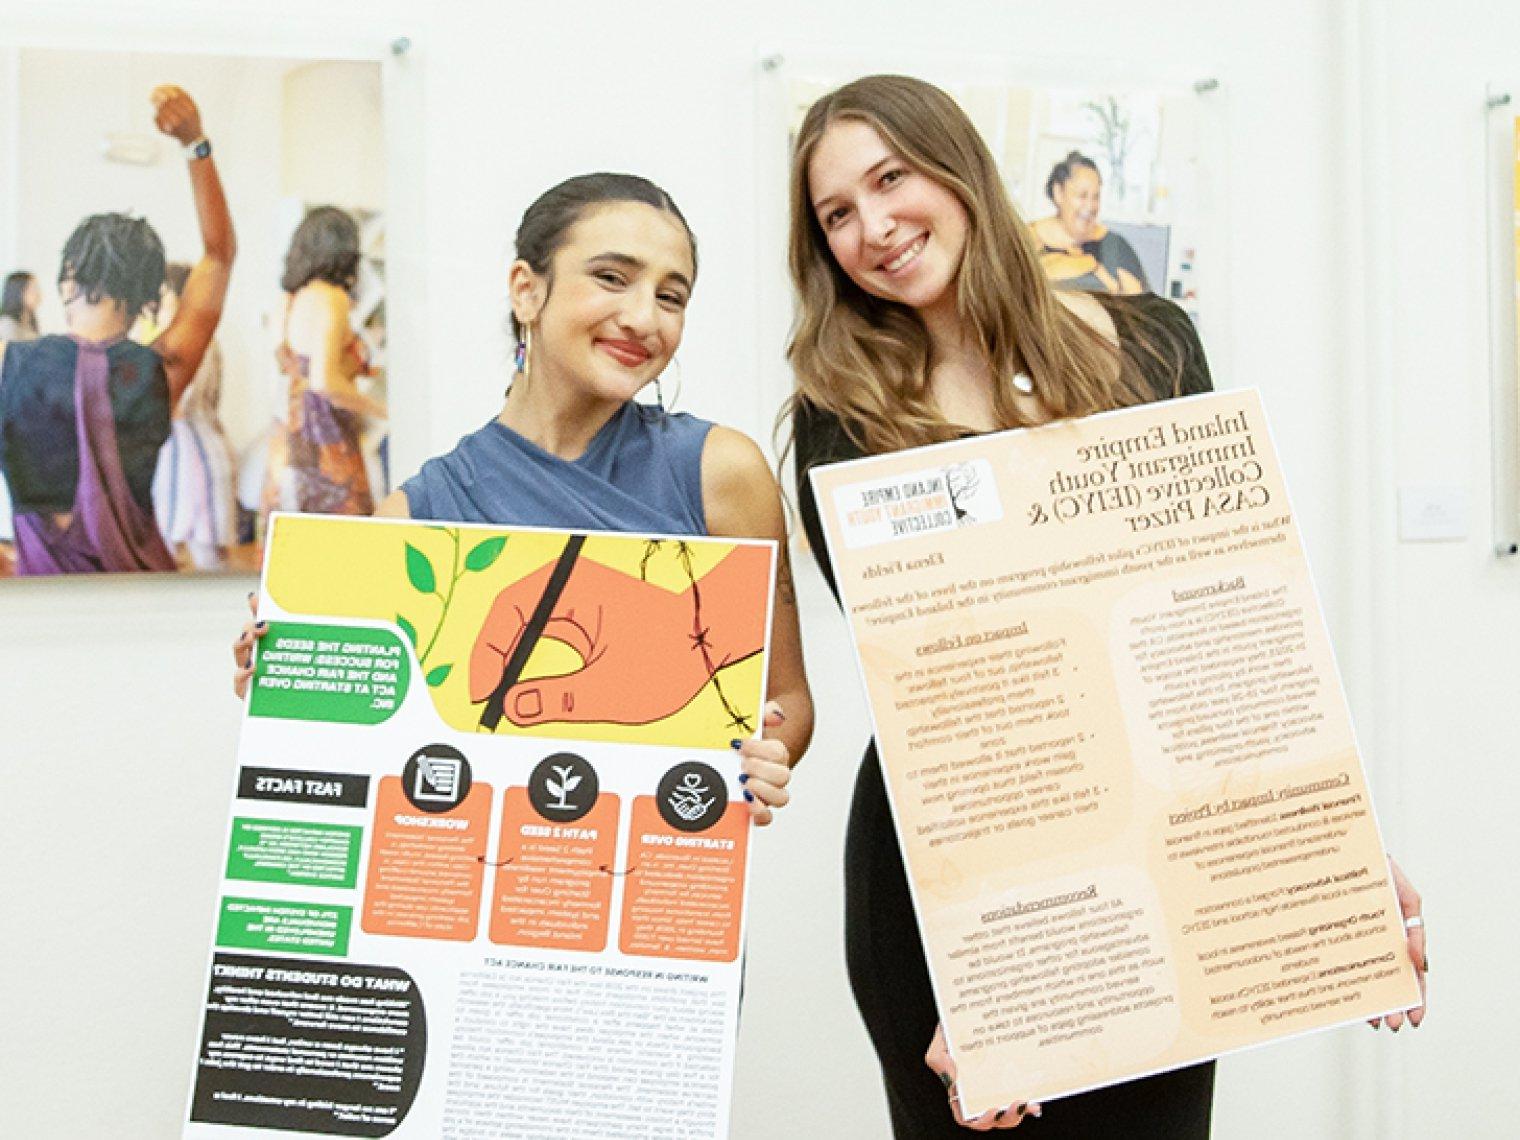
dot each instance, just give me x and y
(749, 795)
(999, 1116)
(735, 743)
(743, 777)
(777, 711)
(262, 626)
(945, 1079)
(250, 595)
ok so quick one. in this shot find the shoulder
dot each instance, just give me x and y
(1090, 311)
(1161, 337)
(819, 437)
(319, 299)
(739, 493)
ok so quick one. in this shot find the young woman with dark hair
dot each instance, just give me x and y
(604, 272)
(316, 457)
(18, 307)
(924, 316)
(82, 416)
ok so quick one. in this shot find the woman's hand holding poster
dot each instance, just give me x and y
(1119, 757)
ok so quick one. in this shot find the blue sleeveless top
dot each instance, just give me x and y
(642, 472)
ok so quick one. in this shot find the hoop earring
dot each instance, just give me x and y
(659, 394)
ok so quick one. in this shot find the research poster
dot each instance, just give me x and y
(1118, 753)
(486, 865)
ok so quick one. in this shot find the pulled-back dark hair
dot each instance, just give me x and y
(115, 256)
(546, 223)
(1063, 170)
(325, 247)
(13, 298)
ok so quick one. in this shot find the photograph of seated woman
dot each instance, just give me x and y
(599, 289)
(18, 307)
(1077, 251)
(316, 457)
(923, 316)
(83, 416)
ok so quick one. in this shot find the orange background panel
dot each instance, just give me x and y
(425, 881)
(554, 892)
(684, 899)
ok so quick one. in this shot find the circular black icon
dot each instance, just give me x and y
(436, 778)
(692, 797)
(563, 787)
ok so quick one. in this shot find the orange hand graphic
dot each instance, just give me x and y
(645, 652)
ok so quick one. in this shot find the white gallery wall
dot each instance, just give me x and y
(1350, 187)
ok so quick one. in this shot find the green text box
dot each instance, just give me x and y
(289, 851)
(270, 924)
(329, 673)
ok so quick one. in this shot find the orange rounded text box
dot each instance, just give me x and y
(425, 870)
(684, 893)
(553, 884)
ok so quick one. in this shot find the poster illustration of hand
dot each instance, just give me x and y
(486, 867)
(1119, 758)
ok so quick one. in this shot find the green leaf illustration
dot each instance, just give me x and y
(438, 675)
(419, 571)
(485, 553)
(408, 629)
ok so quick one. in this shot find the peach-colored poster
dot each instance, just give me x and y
(1118, 753)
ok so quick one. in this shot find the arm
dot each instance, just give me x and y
(394, 506)
(741, 500)
(184, 342)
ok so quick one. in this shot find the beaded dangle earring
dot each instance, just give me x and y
(522, 359)
(522, 356)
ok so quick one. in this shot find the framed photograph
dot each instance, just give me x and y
(130, 439)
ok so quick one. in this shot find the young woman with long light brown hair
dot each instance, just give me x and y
(924, 316)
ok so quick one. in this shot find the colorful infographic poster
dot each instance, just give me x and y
(1118, 753)
(485, 873)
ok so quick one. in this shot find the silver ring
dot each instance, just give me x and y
(1414, 920)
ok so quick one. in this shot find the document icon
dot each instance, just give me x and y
(437, 779)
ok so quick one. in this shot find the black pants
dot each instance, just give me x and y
(891, 983)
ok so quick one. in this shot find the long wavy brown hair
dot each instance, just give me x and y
(867, 361)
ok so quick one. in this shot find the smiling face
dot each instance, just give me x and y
(609, 316)
(895, 232)
(1077, 202)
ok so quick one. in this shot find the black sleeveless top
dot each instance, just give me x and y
(39, 450)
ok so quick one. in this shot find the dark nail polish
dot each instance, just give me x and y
(749, 795)
(946, 1080)
(250, 595)
(735, 743)
(743, 777)
(262, 626)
